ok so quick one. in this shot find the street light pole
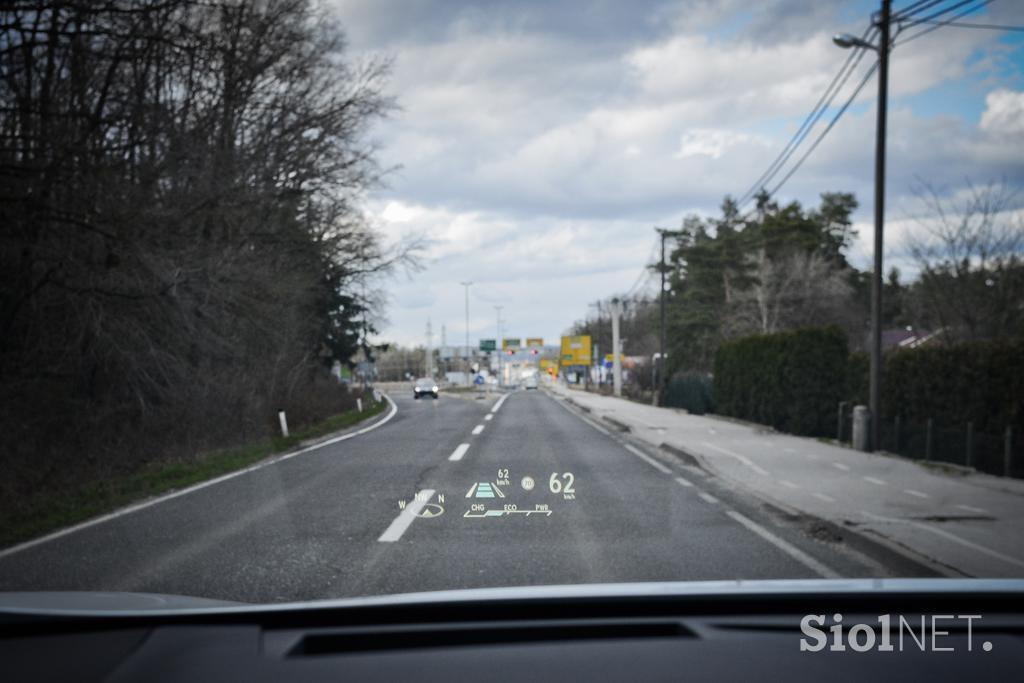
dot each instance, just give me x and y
(498, 345)
(876, 280)
(466, 285)
(875, 388)
(616, 363)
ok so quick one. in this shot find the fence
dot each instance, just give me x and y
(943, 443)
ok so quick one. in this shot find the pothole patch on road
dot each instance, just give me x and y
(823, 532)
(953, 518)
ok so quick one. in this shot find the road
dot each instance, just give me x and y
(328, 522)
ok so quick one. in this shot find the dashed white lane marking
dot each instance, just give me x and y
(646, 458)
(822, 496)
(683, 482)
(840, 466)
(488, 416)
(873, 480)
(406, 516)
(952, 537)
(497, 404)
(478, 429)
(231, 475)
(707, 497)
(788, 483)
(786, 547)
(917, 494)
(742, 458)
(459, 452)
(971, 508)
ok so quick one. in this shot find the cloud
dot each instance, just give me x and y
(540, 143)
(1004, 114)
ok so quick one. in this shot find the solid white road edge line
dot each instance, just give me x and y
(786, 547)
(646, 458)
(578, 416)
(406, 516)
(202, 485)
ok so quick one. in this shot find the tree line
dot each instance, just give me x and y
(183, 250)
(785, 266)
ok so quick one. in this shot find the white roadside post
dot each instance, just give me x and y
(616, 364)
(284, 423)
(359, 404)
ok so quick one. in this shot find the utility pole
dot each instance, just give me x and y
(660, 389)
(846, 41)
(876, 279)
(430, 351)
(466, 285)
(616, 308)
(499, 347)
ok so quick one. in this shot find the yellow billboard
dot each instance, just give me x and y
(576, 350)
(534, 341)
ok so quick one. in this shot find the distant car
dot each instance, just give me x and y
(530, 382)
(425, 386)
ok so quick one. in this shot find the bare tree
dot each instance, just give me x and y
(182, 248)
(971, 284)
(798, 290)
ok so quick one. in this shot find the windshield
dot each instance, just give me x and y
(308, 299)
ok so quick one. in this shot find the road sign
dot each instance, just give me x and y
(609, 360)
(510, 343)
(534, 341)
(576, 350)
(488, 345)
(478, 380)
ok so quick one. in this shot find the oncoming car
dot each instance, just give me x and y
(425, 386)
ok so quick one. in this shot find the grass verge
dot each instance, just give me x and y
(57, 511)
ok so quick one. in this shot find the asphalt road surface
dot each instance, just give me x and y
(328, 522)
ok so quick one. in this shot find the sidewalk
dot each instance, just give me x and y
(969, 524)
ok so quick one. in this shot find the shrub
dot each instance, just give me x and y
(979, 382)
(691, 391)
(789, 380)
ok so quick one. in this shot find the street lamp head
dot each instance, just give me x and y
(846, 41)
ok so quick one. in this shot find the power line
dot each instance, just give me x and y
(993, 27)
(946, 22)
(913, 9)
(936, 15)
(645, 274)
(832, 123)
(825, 101)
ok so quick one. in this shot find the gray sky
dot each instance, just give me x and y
(540, 142)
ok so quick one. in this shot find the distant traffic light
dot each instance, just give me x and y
(534, 352)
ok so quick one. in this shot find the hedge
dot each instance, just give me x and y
(980, 382)
(691, 391)
(792, 381)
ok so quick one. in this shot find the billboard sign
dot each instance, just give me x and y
(488, 345)
(510, 343)
(532, 342)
